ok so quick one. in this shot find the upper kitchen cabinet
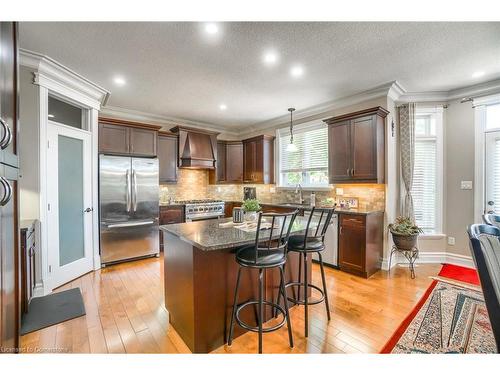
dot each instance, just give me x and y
(258, 160)
(356, 146)
(127, 138)
(167, 156)
(229, 164)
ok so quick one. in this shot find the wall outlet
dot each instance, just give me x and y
(272, 190)
(451, 240)
(466, 185)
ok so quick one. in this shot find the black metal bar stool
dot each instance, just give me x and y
(269, 251)
(312, 242)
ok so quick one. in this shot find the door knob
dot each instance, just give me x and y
(88, 209)
(491, 203)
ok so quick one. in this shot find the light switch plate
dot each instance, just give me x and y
(451, 240)
(466, 185)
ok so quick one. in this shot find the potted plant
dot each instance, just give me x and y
(405, 233)
(251, 207)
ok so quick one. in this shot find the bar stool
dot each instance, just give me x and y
(312, 242)
(268, 251)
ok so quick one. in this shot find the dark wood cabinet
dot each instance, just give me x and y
(28, 249)
(258, 160)
(167, 156)
(171, 214)
(234, 162)
(10, 296)
(229, 163)
(122, 137)
(143, 142)
(361, 243)
(356, 147)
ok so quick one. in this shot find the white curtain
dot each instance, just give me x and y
(406, 114)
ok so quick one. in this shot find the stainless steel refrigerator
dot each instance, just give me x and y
(129, 207)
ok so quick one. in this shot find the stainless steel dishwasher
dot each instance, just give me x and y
(330, 254)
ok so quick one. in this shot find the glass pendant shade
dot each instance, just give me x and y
(291, 147)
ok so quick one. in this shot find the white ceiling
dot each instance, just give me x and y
(174, 69)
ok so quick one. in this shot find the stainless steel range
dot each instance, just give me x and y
(203, 209)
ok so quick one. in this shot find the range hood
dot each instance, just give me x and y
(197, 148)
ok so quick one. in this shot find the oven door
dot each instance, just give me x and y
(203, 217)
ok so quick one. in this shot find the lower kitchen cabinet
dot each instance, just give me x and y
(361, 240)
(28, 249)
(171, 214)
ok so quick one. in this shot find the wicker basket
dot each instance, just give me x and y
(404, 242)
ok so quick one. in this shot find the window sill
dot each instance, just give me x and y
(432, 236)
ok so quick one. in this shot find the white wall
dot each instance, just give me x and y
(28, 146)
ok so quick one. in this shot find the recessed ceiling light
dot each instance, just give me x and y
(119, 81)
(211, 28)
(477, 74)
(270, 58)
(296, 71)
(51, 115)
(223, 107)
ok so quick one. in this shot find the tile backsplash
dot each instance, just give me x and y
(193, 184)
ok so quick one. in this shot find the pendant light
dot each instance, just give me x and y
(291, 146)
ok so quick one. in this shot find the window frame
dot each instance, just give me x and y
(285, 131)
(438, 112)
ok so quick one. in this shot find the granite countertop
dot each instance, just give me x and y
(357, 211)
(207, 235)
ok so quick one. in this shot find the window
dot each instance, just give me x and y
(308, 165)
(493, 116)
(427, 170)
(66, 114)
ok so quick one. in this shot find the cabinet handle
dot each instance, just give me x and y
(7, 137)
(340, 232)
(352, 172)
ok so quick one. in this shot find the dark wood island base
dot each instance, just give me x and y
(199, 291)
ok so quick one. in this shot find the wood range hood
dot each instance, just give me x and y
(197, 147)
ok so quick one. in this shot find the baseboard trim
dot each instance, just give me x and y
(432, 258)
(38, 290)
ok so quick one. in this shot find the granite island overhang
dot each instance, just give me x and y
(200, 276)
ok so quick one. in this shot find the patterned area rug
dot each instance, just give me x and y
(449, 319)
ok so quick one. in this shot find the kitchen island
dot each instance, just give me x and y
(200, 278)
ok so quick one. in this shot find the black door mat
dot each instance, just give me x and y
(52, 309)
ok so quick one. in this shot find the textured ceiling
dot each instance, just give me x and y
(174, 69)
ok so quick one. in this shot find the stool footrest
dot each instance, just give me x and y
(302, 301)
(256, 328)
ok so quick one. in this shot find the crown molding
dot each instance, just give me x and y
(165, 121)
(62, 80)
(481, 89)
(326, 109)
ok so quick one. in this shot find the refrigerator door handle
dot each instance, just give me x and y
(127, 177)
(134, 197)
(130, 224)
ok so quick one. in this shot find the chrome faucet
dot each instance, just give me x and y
(298, 190)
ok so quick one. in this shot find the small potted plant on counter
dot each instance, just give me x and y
(251, 207)
(405, 233)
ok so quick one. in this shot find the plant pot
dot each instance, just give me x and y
(251, 216)
(404, 242)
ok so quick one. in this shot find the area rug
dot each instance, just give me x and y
(463, 274)
(52, 309)
(449, 318)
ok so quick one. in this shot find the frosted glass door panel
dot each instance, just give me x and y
(71, 184)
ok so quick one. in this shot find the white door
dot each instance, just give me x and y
(492, 172)
(69, 198)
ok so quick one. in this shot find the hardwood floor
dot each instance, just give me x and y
(126, 314)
